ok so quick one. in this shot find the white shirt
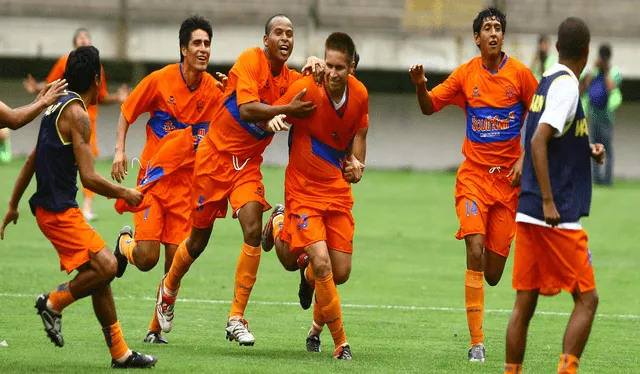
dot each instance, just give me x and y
(560, 109)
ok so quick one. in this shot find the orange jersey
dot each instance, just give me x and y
(57, 72)
(250, 80)
(172, 105)
(495, 104)
(319, 143)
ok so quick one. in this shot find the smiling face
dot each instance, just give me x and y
(279, 42)
(491, 37)
(337, 73)
(196, 54)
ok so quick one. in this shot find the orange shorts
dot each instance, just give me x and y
(304, 225)
(486, 204)
(219, 180)
(70, 235)
(167, 219)
(548, 257)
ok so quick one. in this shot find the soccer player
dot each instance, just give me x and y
(495, 90)
(82, 38)
(63, 149)
(551, 245)
(179, 96)
(227, 168)
(327, 152)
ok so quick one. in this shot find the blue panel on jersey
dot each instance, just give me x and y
(152, 175)
(257, 131)
(327, 153)
(489, 125)
(163, 123)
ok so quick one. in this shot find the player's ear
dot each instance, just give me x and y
(265, 40)
(183, 50)
(476, 37)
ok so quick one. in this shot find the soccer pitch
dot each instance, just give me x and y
(403, 307)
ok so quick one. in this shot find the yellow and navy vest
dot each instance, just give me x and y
(56, 170)
(569, 162)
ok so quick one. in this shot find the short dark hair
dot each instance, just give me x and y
(356, 59)
(490, 12)
(573, 38)
(78, 32)
(191, 24)
(269, 25)
(605, 52)
(83, 65)
(339, 41)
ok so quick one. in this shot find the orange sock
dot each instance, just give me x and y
(318, 319)
(115, 341)
(127, 245)
(246, 272)
(310, 275)
(181, 263)
(88, 193)
(512, 368)
(474, 297)
(328, 299)
(277, 225)
(60, 298)
(568, 364)
(155, 325)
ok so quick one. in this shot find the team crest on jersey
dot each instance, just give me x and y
(168, 126)
(171, 101)
(200, 106)
(510, 92)
(476, 92)
(512, 116)
(283, 90)
(259, 192)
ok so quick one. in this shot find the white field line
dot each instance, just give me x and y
(350, 306)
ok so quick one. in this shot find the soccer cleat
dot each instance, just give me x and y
(165, 308)
(122, 259)
(136, 361)
(313, 343)
(343, 352)
(90, 216)
(52, 321)
(305, 291)
(155, 338)
(238, 330)
(267, 241)
(476, 353)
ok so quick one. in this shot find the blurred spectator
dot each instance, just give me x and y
(601, 98)
(5, 146)
(542, 60)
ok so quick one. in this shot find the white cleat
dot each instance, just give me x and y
(165, 308)
(238, 330)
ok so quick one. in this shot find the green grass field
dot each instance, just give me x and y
(403, 307)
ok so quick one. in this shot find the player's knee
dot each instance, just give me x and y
(196, 245)
(321, 266)
(341, 276)
(108, 268)
(148, 260)
(474, 256)
(252, 232)
(492, 278)
(591, 300)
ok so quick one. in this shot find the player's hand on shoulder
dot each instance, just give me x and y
(598, 152)
(317, 67)
(133, 197)
(278, 123)
(52, 91)
(551, 215)
(416, 71)
(12, 215)
(352, 169)
(298, 108)
(221, 83)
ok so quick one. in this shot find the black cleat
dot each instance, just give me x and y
(136, 361)
(52, 321)
(313, 343)
(305, 292)
(122, 259)
(267, 241)
(155, 338)
(343, 352)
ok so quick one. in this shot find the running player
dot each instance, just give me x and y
(82, 38)
(227, 168)
(63, 149)
(495, 90)
(551, 245)
(180, 96)
(327, 152)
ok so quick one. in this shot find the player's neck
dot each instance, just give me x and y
(192, 77)
(274, 65)
(337, 95)
(492, 63)
(574, 66)
(86, 97)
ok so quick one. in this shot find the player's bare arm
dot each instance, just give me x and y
(258, 112)
(539, 147)
(516, 172)
(117, 97)
(19, 117)
(119, 166)
(26, 174)
(420, 81)
(78, 126)
(31, 85)
(354, 164)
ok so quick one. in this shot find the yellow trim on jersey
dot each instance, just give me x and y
(60, 112)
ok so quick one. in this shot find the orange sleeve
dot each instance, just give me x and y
(294, 89)
(448, 92)
(295, 75)
(528, 84)
(364, 121)
(57, 71)
(140, 99)
(103, 85)
(247, 73)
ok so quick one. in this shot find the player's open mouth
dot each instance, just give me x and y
(202, 58)
(493, 43)
(284, 49)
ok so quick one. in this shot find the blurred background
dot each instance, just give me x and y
(136, 37)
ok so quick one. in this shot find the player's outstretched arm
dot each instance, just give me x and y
(420, 81)
(258, 112)
(120, 162)
(26, 174)
(80, 126)
(117, 97)
(19, 117)
(539, 154)
(31, 85)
